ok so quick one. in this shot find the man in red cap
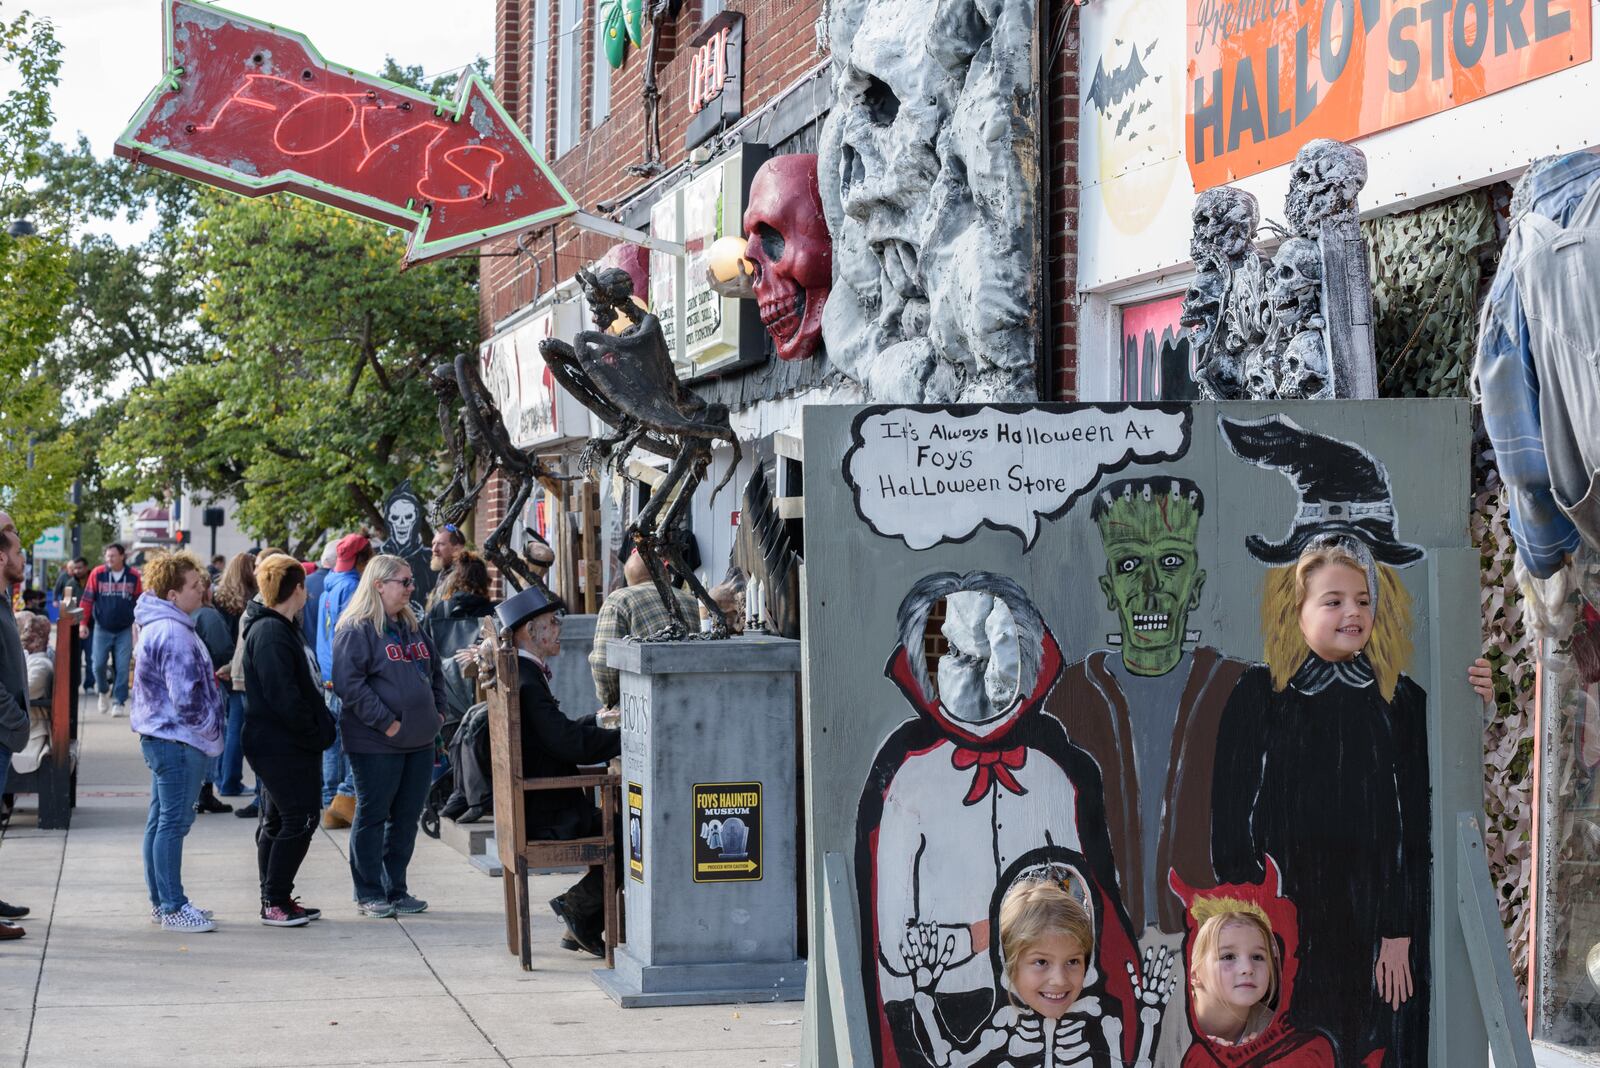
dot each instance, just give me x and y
(350, 556)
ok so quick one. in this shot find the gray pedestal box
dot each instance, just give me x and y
(709, 823)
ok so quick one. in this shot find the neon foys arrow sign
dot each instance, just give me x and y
(255, 109)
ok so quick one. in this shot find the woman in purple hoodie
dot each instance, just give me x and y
(178, 715)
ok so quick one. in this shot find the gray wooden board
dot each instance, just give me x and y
(856, 579)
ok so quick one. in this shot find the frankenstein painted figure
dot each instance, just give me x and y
(1148, 710)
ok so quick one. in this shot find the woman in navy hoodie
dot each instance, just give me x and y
(387, 674)
(177, 713)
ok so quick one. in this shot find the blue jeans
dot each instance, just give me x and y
(230, 765)
(118, 645)
(88, 662)
(5, 767)
(175, 773)
(390, 790)
(336, 775)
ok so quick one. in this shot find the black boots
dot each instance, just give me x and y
(208, 802)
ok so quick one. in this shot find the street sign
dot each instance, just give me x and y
(51, 545)
(253, 108)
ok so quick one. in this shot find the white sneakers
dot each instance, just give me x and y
(188, 920)
(119, 710)
(105, 703)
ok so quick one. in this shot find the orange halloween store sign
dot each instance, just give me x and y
(1266, 76)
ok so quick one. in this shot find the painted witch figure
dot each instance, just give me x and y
(1322, 755)
(957, 795)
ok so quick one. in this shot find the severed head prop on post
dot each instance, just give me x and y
(629, 381)
(476, 435)
(1299, 327)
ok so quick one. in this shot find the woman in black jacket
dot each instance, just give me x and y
(286, 728)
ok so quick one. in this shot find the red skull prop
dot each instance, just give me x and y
(792, 252)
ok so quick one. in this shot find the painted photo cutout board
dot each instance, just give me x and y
(1182, 661)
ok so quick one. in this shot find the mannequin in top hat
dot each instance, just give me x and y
(554, 745)
(1322, 752)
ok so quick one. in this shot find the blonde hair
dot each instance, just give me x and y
(165, 573)
(366, 606)
(1207, 941)
(1035, 909)
(278, 577)
(1388, 647)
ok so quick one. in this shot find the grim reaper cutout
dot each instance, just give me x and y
(960, 795)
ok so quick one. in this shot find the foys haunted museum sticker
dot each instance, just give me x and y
(727, 825)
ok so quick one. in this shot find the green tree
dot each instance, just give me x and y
(313, 401)
(38, 457)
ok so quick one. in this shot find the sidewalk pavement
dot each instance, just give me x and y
(95, 984)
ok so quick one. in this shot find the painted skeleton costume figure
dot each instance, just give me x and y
(978, 779)
(1324, 764)
(1016, 1036)
(1281, 1043)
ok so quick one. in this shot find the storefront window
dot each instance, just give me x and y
(1568, 962)
(539, 83)
(1156, 360)
(600, 97)
(569, 74)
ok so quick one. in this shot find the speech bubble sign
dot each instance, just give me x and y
(931, 475)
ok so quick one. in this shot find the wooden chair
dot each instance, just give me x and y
(518, 853)
(56, 781)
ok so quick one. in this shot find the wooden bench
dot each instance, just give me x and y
(518, 853)
(56, 781)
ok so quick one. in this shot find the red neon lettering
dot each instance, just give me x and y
(309, 114)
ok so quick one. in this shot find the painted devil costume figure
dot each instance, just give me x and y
(957, 796)
(1322, 759)
(1280, 1042)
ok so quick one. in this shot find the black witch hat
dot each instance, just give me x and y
(1343, 489)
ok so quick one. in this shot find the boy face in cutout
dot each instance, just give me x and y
(1243, 970)
(1050, 974)
(1336, 617)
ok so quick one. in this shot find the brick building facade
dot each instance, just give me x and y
(589, 122)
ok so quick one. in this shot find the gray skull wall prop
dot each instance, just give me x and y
(1262, 328)
(932, 213)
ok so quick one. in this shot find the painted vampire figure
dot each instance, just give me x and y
(979, 777)
(1322, 755)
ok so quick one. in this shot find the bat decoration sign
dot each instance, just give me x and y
(255, 109)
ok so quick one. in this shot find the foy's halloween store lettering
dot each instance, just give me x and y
(1265, 76)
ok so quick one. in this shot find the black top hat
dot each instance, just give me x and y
(1343, 489)
(521, 607)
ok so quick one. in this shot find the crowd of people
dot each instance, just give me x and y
(335, 690)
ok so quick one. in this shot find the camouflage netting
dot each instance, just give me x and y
(1430, 270)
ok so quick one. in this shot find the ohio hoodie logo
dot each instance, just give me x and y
(411, 651)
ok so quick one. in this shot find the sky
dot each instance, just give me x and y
(111, 49)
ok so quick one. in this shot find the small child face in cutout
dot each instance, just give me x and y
(1336, 617)
(1243, 969)
(1050, 974)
